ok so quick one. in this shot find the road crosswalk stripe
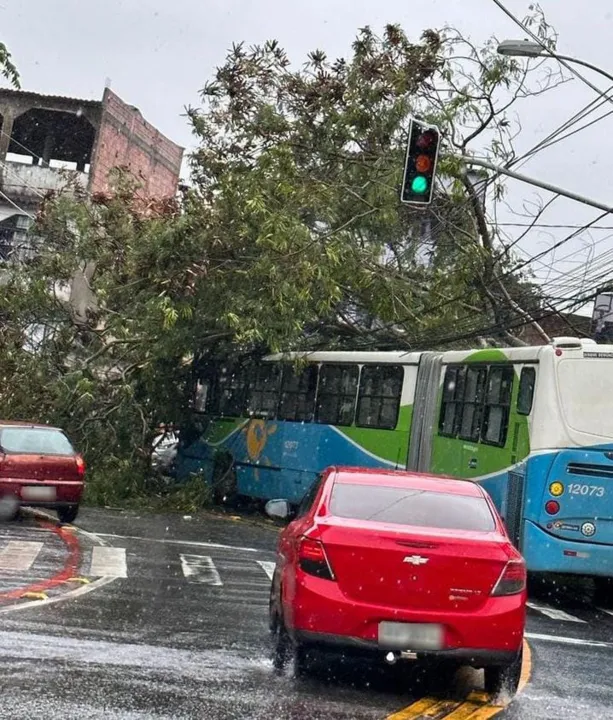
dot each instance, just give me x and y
(108, 562)
(267, 567)
(200, 569)
(19, 555)
(554, 613)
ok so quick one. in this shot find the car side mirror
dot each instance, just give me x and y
(278, 509)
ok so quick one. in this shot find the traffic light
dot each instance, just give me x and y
(420, 164)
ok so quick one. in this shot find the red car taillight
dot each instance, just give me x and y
(512, 579)
(313, 560)
(80, 465)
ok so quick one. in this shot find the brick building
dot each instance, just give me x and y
(43, 136)
(558, 325)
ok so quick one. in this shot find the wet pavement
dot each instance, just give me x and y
(177, 628)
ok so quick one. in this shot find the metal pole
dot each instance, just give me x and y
(537, 183)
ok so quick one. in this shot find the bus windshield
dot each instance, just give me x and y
(586, 394)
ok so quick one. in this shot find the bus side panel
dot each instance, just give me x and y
(197, 456)
(480, 461)
(282, 459)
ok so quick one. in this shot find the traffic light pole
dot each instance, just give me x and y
(467, 160)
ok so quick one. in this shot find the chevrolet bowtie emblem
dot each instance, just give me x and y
(415, 560)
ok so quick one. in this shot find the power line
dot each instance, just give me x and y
(14, 204)
(552, 226)
(21, 145)
(16, 175)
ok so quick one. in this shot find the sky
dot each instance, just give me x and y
(159, 54)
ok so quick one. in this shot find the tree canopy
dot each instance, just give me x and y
(291, 235)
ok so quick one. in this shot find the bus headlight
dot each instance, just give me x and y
(556, 489)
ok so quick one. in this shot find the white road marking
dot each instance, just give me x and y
(200, 569)
(568, 641)
(554, 613)
(191, 543)
(604, 610)
(267, 567)
(108, 562)
(19, 555)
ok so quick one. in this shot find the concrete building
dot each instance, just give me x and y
(43, 136)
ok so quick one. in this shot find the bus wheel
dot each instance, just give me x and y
(224, 480)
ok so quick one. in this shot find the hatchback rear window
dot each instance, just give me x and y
(35, 441)
(409, 506)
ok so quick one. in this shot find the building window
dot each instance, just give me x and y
(472, 404)
(336, 396)
(379, 397)
(451, 406)
(497, 405)
(297, 402)
(264, 391)
(525, 395)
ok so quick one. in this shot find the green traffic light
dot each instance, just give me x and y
(419, 185)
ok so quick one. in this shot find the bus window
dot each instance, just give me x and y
(451, 407)
(497, 403)
(379, 396)
(297, 401)
(336, 396)
(525, 394)
(264, 391)
(472, 407)
(231, 390)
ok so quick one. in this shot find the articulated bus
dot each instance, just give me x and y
(534, 425)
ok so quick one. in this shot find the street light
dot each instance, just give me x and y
(528, 48)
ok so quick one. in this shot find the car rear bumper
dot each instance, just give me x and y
(59, 493)
(319, 608)
(477, 657)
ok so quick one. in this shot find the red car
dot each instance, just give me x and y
(39, 467)
(399, 564)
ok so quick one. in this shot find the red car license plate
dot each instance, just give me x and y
(410, 636)
(38, 492)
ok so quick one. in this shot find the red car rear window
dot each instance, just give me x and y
(407, 506)
(34, 441)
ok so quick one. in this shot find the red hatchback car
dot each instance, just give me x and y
(39, 467)
(400, 564)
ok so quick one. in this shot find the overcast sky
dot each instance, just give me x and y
(158, 54)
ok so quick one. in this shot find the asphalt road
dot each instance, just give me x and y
(166, 618)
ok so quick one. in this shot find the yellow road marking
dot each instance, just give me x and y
(431, 708)
(34, 595)
(476, 706)
(526, 668)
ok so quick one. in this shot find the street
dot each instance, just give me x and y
(177, 628)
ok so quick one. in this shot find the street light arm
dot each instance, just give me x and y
(537, 183)
(584, 63)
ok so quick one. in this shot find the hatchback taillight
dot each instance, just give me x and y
(512, 579)
(313, 560)
(80, 465)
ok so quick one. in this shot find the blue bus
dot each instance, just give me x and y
(534, 425)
